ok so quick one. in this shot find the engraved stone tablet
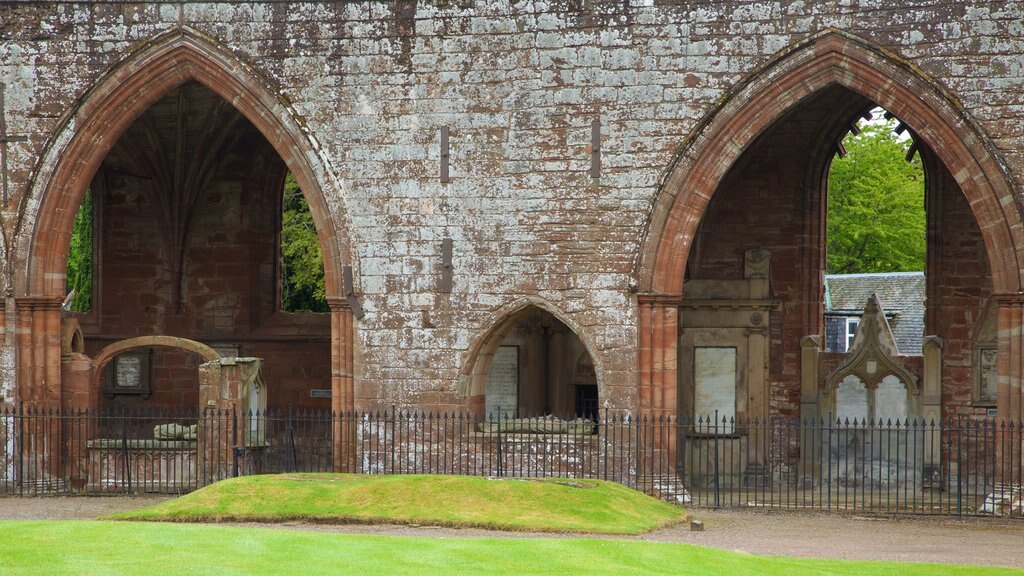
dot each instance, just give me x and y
(714, 395)
(128, 371)
(503, 383)
(891, 401)
(987, 387)
(851, 400)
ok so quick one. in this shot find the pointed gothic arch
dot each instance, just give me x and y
(476, 363)
(104, 113)
(86, 136)
(830, 58)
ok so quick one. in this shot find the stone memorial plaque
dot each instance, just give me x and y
(989, 379)
(714, 394)
(503, 383)
(128, 371)
(851, 400)
(891, 401)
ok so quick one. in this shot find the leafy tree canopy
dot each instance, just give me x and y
(302, 265)
(79, 274)
(876, 216)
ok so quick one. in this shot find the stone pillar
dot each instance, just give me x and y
(810, 351)
(1011, 355)
(221, 385)
(343, 385)
(38, 381)
(659, 345)
(931, 407)
(557, 401)
(1011, 373)
(38, 328)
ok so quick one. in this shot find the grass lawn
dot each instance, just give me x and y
(116, 548)
(548, 505)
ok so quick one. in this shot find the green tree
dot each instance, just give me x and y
(79, 273)
(876, 216)
(302, 265)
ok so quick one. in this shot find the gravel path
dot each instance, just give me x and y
(989, 542)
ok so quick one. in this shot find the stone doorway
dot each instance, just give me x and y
(535, 365)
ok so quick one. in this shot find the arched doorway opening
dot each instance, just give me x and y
(184, 152)
(757, 166)
(533, 364)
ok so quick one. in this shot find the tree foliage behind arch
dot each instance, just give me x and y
(302, 264)
(876, 214)
(79, 272)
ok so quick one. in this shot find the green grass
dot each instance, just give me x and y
(116, 548)
(547, 505)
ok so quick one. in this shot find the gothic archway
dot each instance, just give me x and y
(88, 134)
(827, 61)
(531, 356)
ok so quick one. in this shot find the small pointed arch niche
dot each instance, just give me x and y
(532, 363)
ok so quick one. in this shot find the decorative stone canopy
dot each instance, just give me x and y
(873, 354)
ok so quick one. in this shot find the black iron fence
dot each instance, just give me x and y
(962, 467)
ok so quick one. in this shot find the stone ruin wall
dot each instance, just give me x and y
(518, 83)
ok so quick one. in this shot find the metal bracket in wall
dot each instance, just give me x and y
(595, 149)
(350, 294)
(446, 266)
(445, 155)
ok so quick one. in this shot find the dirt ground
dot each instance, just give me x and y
(990, 542)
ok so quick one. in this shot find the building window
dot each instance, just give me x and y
(851, 331)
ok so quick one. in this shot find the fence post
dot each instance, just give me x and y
(959, 469)
(235, 449)
(394, 428)
(125, 467)
(21, 449)
(501, 457)
(290, 457)
(715, 464)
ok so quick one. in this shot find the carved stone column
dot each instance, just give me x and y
(38, 361)
(38, 381)
(1010, 368)
(1011, 355)
(343, 396)
(659, 341)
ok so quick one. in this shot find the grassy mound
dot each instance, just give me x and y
(549, 505)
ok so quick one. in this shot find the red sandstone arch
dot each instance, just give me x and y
(107, 110)
(107, 354)
(830, 58)
(477, 360)
(84, 139)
